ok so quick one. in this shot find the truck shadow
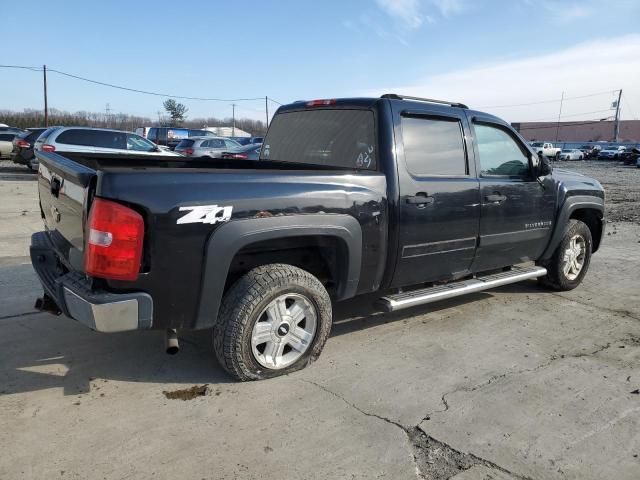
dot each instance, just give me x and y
(39, 351)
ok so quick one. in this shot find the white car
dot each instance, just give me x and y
(571, 154)
(97, 140)
(6, 144)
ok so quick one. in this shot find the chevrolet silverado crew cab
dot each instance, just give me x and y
(417, 199)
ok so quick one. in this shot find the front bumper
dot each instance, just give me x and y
(97, 309)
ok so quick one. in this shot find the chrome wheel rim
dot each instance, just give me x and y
(574, 256)
(284, 331)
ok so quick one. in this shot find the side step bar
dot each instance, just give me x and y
(454, 289)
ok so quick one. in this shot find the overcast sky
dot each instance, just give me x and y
(491, 55)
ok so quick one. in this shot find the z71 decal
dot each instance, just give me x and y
(205, 214)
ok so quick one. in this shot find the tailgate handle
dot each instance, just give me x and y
(55, 187)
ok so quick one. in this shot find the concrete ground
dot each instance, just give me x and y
(514, 383)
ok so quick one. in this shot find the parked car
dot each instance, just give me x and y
(630, 157)
(350, 197)
(96, 140)
(571, 154)
(22, 152)
(171, 136)
(206, 147)
(14, 130)
(248, 140)
(248, 152)
(611, 153)
(6, 144)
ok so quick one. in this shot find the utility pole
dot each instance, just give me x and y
(616, 128)
(233, 128)
(559, 115)
(46, 106)
(266, 109)
(107, 112)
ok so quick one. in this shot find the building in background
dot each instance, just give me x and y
(579, 131)
(227, 131)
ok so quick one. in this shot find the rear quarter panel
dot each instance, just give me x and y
(175, 253)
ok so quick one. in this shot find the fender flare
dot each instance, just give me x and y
(570, 205)
(230, 238)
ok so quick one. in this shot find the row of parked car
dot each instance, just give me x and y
(629, 154)
(20, 145)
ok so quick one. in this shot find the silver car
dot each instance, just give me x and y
(96, 140)
(206, 147)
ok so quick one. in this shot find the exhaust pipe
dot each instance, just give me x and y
(171, 342)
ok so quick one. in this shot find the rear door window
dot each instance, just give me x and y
(330, 137)
(434, 146)
(94, 138)
(216, 143)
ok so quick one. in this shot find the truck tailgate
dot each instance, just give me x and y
(64, 188)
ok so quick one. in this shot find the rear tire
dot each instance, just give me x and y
(273, 321)
(570, 261)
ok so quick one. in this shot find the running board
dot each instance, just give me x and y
(391, 303)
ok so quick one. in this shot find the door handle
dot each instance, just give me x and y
(496, 198)
(420, 198)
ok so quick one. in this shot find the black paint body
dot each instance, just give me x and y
(384, 240)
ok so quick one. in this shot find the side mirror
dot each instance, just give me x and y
(544, 166)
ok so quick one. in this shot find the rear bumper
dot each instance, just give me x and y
(97, 309)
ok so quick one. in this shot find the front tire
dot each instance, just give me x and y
(274, 320)
(570, 261)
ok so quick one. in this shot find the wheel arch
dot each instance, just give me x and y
(257, 235)
(588, 209)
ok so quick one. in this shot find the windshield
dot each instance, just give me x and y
(338, 138)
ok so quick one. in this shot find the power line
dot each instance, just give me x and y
(33, 69)
(547, 119)
(549, 101)
(553, 125)
(157, 94)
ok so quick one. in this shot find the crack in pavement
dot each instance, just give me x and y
(625, 313)
(436, 460)
(630, 337)
(18, 315)
(432, 459)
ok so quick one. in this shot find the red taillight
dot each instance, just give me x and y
(320, 103)
(188, 151)
(48, 148)
(23, 144)
(240, 156)
(114, 241)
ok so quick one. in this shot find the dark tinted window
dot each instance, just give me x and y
(339, 138)
(32, 135)
(257, 140)
(215, 143)
(433, 146)
(499, 153)
(152, 134)
(243, 141)
(185, 144)
(7, 137)
(94, 138)
(46, 134)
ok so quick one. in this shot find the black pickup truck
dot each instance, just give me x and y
(417, 199)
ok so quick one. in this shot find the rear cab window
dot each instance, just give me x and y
(342, 138)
